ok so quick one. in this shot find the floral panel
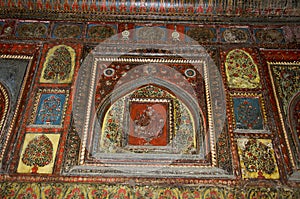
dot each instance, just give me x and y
(235, 35)
(201, 34)
(241, 70)
(101, 31)
(257, 158)
(157, 33)
(269, 35)
(67, 31)
(248, 112)
(286, 86)
(32, 30)
(59, 65)
(49, 108)
(38, 153)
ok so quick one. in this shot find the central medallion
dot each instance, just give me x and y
(149, 122)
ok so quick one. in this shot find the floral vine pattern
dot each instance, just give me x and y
(257, 159)
(247, 112)
(59, 65)
(38, 153)
(241, 71)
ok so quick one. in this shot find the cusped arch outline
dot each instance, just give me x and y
(189, 101)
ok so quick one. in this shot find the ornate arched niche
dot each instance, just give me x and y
(4, 105)
(148, 109)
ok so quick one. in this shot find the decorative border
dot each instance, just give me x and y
(6, 98)
(18, 104)
(36, 104)
(209, 165)
(262, 107)
(281, 117)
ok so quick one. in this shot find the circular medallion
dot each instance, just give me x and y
(190, 72)
(109, 72)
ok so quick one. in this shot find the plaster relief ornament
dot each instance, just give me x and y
(241, 71)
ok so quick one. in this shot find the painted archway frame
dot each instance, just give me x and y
(24, 59)
(285, 86)
(101, 65)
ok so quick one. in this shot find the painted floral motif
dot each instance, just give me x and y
(247, 113)
(96, 191)
(213, 193)
(168, 194)
(100, 32)
(190, 194)
(287, 82)
(269, 36)
(257, 159)
(262, 193)
(59, 64)
(53, 192)
(150, 34)
(99, 193)
(75, 193)
(37, 30)
(29, 193)
(201, 34)
(50, 109)
(241, 70)
(67, 31)
(235, 35)
(120, 193)
(38, 153)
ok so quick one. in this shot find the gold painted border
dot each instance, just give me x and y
(36, 104)
(270, 64)
(86, 127)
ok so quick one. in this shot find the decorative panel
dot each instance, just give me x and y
(248, 111)
(38, 153)
(241, 70)
(59, 65)
(286, 86)
(257, 158)
(32, 30)
(49, 107)
(235, 35)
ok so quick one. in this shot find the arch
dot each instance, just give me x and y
(4, 105)
(293, 121)
(177, 93)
